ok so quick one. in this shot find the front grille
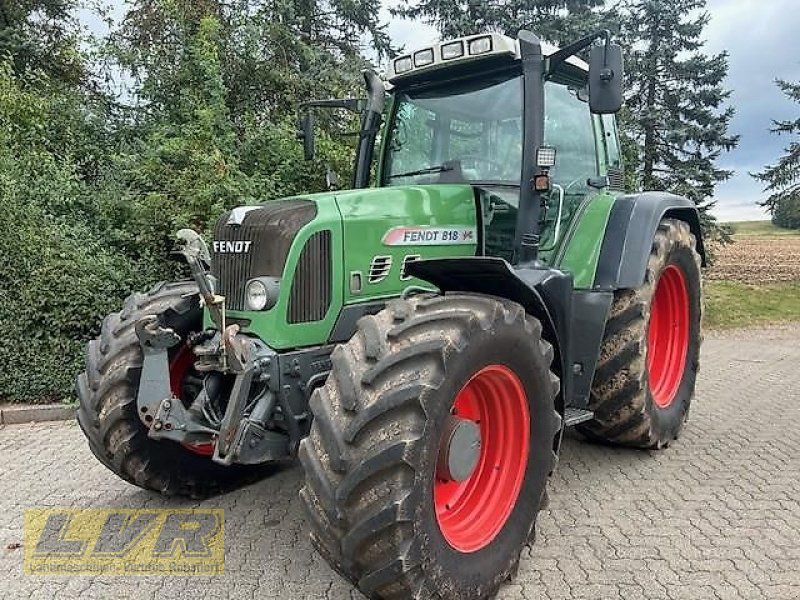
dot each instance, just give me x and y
(310, 297)
(270, 229)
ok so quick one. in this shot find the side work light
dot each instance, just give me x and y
(545, 157)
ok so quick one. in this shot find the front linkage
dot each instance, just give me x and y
(266, 413)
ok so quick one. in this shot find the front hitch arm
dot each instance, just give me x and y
(195, 251)
(162, 413)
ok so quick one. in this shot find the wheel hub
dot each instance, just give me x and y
(668, 336)
(460, 450)
(482, 458)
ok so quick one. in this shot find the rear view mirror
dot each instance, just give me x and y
(605, 79)
(306, 133)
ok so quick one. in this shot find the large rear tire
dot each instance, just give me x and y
(107, 400)
(649, 358)
(387, 509)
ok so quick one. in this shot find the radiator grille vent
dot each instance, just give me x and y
(379, 268)
(255, 245)
(310, 297)
(410, 258)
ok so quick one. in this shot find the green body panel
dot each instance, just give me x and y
(270, 325)
(580, 249)
(368, 215)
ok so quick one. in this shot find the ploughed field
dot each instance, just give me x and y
(757, 259)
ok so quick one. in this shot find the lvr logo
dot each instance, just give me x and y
(124, 541)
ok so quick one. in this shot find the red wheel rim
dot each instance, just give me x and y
(178, 368)
(668, 336)
(472, 512)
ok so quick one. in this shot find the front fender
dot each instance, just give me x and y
(544, 293)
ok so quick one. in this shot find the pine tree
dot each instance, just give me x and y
(676, 121)
(783, 178)
(556, 21)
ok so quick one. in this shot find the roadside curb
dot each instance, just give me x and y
(14, 415)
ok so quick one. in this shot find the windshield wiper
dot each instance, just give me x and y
(425, 171)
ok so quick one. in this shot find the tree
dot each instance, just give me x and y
(676, 121)
(56, 276)
(42, 36)
(782, 180)
(272, 54)
(556, 21)
(212, 114)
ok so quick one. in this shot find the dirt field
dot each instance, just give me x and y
(758, 260)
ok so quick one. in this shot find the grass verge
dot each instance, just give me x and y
(732, 304)
(765, 228)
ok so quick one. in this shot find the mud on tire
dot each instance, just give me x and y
(370, 458)
(628, 410)
(107, 391)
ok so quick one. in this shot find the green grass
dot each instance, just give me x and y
(762, 228)
(732, 304)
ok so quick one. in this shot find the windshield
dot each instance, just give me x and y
(468, 132)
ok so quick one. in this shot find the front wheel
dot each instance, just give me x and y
(107, 392)
(431, 445)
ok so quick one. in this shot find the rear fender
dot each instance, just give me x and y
(629, 235)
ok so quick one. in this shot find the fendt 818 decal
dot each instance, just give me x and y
(429, 236)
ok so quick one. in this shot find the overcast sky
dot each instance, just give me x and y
(761, 37)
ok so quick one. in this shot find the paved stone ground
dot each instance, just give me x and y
(715, 516)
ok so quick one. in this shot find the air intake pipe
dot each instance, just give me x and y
(370, 126)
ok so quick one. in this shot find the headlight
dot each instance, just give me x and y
(262, 293)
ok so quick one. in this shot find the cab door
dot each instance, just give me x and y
(575, 134)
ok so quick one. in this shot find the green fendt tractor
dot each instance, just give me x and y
(422, 342)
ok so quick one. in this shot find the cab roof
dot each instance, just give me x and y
(471, 49)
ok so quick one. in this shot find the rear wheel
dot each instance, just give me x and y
(649, 358)
(431, 444)
(107, 392)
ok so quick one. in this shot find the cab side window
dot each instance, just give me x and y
(568, 128)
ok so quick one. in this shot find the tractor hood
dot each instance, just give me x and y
(383, 228)
(323, 252)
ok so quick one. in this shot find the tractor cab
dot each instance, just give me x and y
(472, 111)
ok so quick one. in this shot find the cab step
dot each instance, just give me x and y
(573, 416)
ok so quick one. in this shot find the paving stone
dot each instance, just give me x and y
(717, 515)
